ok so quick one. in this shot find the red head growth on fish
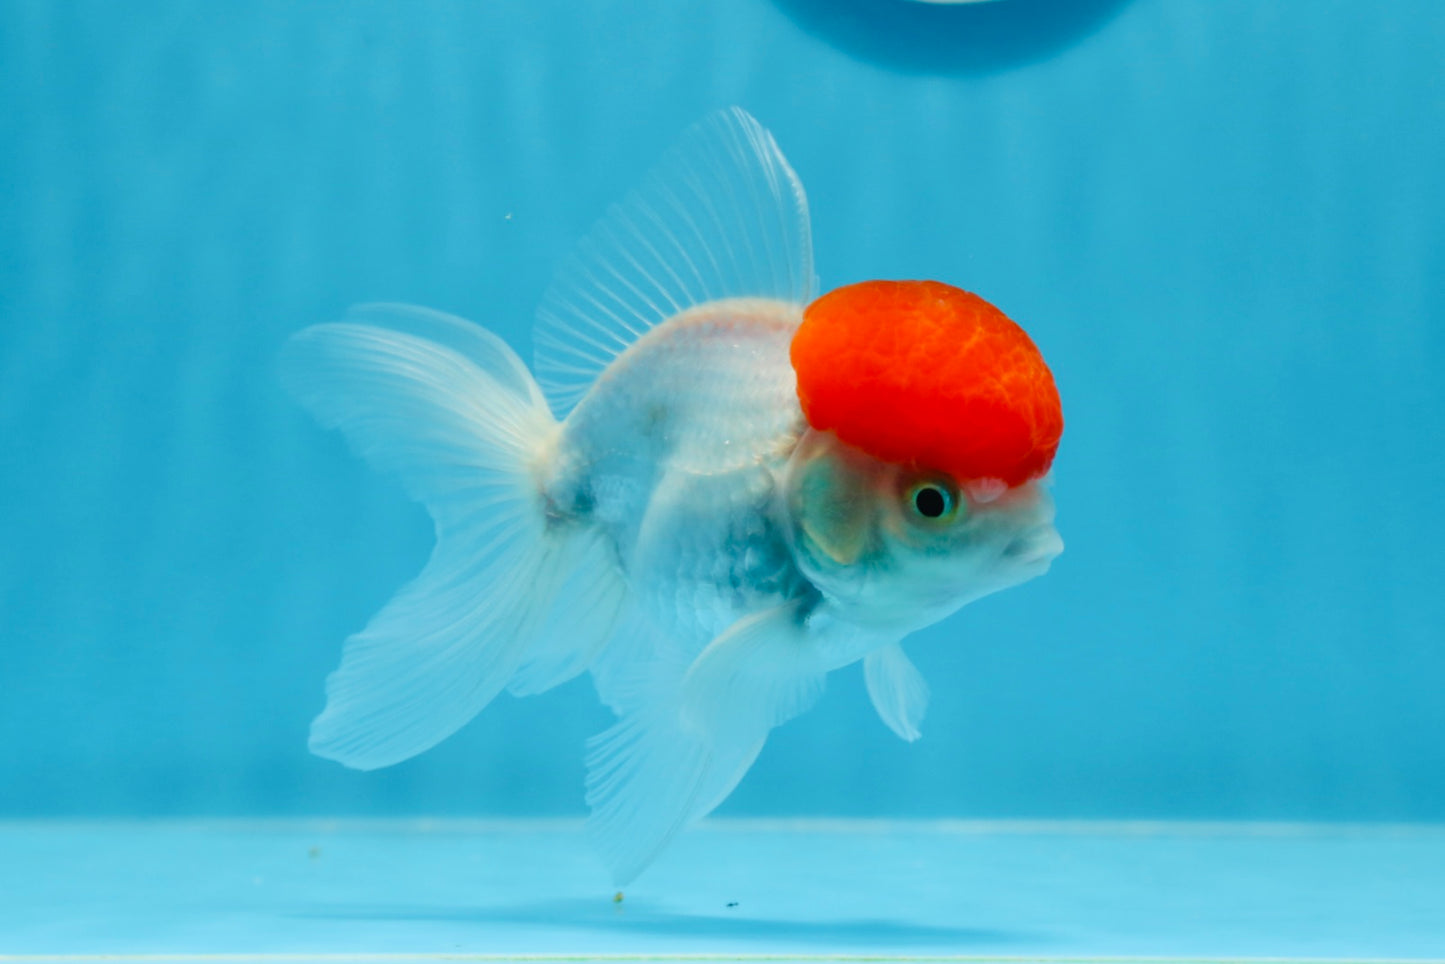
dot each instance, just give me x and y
(925, 374)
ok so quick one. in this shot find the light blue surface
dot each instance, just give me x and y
(1037, 891)
(1221, 219)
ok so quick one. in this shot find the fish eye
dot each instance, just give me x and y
(933, 501)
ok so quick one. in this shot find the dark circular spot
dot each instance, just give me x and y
(958, 38)
(930, 502)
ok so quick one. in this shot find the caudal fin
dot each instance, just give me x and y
(449, 409)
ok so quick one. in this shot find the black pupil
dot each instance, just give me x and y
(929, 503)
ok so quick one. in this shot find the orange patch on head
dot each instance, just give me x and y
(925, 374)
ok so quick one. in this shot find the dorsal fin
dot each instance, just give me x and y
(722, 215)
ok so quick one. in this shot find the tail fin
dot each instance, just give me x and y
(452, 411)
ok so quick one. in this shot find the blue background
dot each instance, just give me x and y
(1222, 220)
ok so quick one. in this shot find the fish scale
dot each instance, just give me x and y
(703, 570)
(675, 453)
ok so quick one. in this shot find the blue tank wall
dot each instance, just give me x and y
(1221, 220)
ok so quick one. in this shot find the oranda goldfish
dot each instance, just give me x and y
(717, 490)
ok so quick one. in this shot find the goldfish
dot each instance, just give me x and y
(716, 489)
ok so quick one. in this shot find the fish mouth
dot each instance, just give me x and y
(1038, 546)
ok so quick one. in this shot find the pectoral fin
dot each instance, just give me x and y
(898, 690)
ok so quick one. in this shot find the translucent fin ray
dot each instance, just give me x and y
(589, 607)
(449, 409)
(676, 754)
(899, 692)
(722, 215)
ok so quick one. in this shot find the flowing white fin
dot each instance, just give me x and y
(452, 411)
(899, 692)
(584, 620)
(676, 754)
(722, 215)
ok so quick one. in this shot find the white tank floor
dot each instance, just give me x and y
(400, 891)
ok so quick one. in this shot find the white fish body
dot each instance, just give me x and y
(675, 454)
(653, 535)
